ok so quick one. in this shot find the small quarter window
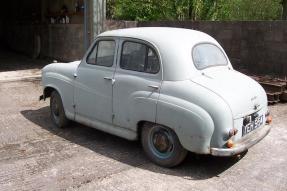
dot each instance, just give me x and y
(139, 57)
(102, 54)
(152, 65)
(92, 56)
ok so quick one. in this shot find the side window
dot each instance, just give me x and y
(102, 54)
(92, 56)
(139, 57)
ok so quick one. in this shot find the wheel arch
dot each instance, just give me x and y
(192, 124)
(141, 124)
(48, 91)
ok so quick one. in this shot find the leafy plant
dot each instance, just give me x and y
(146, 10)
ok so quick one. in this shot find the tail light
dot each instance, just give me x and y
(229, 143)
(268, 117)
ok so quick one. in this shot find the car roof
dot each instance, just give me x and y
(173, 44)
(159, 34)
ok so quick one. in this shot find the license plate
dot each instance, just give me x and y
(257, 122)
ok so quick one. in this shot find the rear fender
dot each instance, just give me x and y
(192, 124)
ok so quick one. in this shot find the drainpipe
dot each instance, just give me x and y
(86, 33)
(99, 16)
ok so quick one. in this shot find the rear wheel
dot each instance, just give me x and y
(57, 110)
(162, 146)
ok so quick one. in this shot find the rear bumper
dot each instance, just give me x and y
(244, 144)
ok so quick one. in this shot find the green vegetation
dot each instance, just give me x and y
(250, 10)
(146, 10)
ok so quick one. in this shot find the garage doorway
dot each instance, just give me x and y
(35, 32)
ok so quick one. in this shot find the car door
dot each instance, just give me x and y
(137, 83)
(94, 81)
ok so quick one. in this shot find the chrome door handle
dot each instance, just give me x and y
(153, 87)
(110, 79)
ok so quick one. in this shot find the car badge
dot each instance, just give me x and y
(256, 106)
(253, 98)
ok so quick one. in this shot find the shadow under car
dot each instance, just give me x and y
(195, 167)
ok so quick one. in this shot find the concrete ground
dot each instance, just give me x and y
(16, 67)
(11, 61)
(35, 155)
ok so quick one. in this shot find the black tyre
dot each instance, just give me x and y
(162, 146)
(57, 110)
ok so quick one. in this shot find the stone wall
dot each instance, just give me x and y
(113, 24)
(257, 46)
(58, 41)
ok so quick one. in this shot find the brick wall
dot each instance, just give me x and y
(257, 46)
(114, 24)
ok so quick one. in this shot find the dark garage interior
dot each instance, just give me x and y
(34, 30)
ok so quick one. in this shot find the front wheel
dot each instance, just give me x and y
(57, 110)
(162, 146)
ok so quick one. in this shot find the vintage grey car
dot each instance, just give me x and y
(174, 89)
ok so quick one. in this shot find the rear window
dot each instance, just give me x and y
(207, 55)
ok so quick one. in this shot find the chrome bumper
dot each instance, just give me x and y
(244, 144)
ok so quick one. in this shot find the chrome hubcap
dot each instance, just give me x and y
(161, 142)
